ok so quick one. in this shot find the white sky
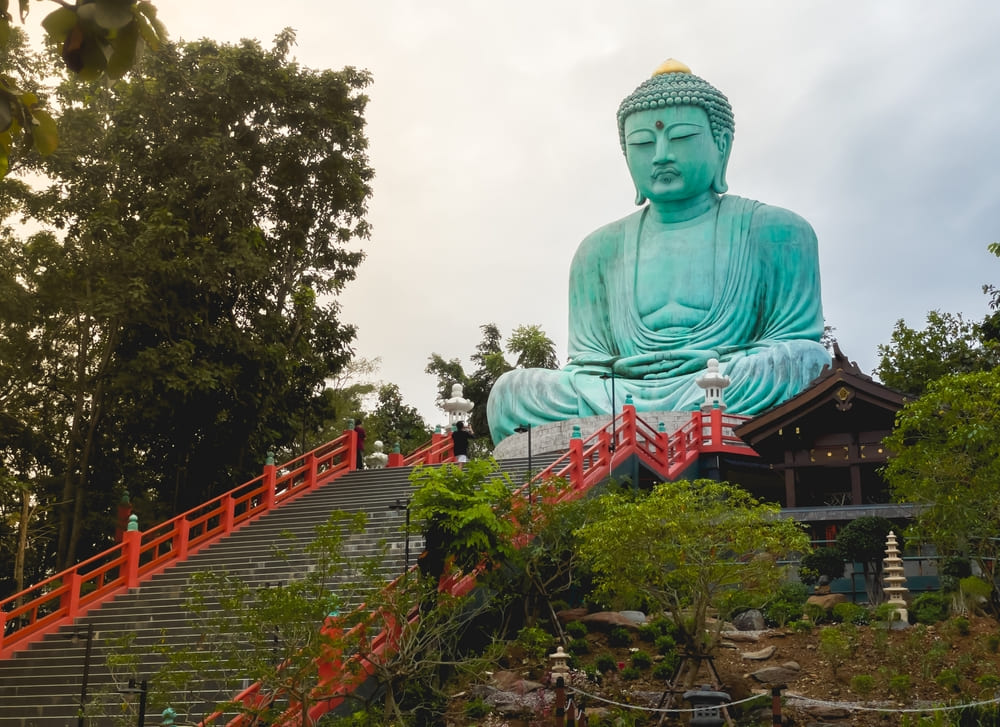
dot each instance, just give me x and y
(493, 138)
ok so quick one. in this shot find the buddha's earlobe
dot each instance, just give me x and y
(639, 198)
(719, 185)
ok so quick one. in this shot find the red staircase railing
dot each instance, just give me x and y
(27, 616)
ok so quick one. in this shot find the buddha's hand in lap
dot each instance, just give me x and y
(664, 364)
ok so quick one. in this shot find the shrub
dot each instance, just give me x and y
(606, 663)
(815, 613)
(821, 562)
(885, 612)
(993, 643)
(862, 684)
(787, 603)
(576, 629)
(899, 684)
(593, 674)
(851, 613)
(959, 625)
(578, 647)
(931, 607)
(619, 636)
(665, 669)
(948, 679)
(835, 647)
(631, 673)
(537, 642)
(477, 708)
(665, 644)
(988, 682)
(975, 592)
(800, 626)
(642, 660)
(648, 633)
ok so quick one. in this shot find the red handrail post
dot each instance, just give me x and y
(395, 457)
(72, 600)
(628, 422)
(716, 419)
(270, 477)
(311, 471)
(352, 447)
(183, 530)
(663, 444)
(132, 541)
(228, 513)
(576, 459)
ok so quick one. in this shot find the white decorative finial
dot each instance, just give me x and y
(713, 383)
(458, 407)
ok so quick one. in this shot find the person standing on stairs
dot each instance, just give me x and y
(360, 430)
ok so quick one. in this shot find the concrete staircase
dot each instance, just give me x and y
(41, 686)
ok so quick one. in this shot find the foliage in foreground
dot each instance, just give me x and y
(684, 549)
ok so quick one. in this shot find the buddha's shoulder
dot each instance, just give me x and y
(777, 224)
(607, 238)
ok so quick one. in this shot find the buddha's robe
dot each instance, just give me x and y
(763, 325)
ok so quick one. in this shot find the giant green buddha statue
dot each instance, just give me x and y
(694, 274)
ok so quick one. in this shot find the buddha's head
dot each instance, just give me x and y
(673, 95)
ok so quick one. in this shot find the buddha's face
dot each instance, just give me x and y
(671, 153)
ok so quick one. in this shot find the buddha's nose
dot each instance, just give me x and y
(664, 150)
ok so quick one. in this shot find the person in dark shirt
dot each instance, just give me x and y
(460, 442)
(361, 442)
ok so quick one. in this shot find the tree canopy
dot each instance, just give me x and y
(685, 548)
(176, 317)
(945, 457)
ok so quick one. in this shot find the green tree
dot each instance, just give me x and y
(394, 421)
(948, 345)
(683, 549)
(863, 541)
(96, 38)
(533, 347)
(463, 512)
(205, 213)
(946, 459)
(548, 565)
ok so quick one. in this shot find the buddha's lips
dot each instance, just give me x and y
(667, 175)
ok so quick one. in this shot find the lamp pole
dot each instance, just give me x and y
(142, 691)
(614, 411)
(400, 505)
(521, 430)
(81, 720)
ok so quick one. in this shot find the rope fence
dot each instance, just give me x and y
(850, 706)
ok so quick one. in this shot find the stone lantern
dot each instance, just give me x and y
(457, 406)
(560, 663)
(378, 458)
(713, 383)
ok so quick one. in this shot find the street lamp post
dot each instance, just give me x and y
(521, 430)
(89, 636)
(614, 411)
(400, 505)
(142, 691)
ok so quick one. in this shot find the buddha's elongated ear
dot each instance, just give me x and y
(719, 185)
(640, 199)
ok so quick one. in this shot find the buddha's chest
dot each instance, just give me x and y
(675, 276)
